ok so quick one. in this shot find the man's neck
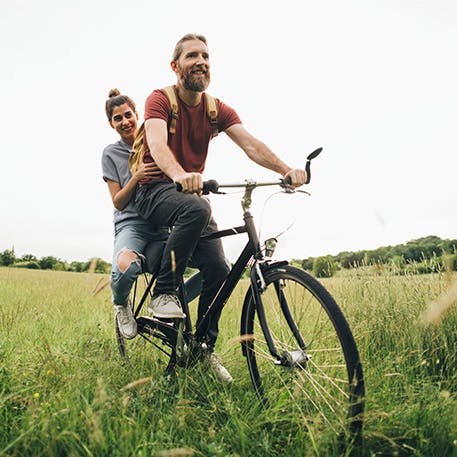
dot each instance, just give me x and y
(189, 97)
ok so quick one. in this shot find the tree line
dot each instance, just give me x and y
(95, 265)
(429, 254)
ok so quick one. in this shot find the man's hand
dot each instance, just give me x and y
(192, 183)
(297, 177)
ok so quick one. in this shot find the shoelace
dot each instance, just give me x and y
(124, 315)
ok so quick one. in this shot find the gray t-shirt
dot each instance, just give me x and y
(115, 167)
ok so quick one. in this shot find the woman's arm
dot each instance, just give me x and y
(122, 195)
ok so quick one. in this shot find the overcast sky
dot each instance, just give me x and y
(372, 82)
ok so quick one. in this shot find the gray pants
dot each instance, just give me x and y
(190, 217)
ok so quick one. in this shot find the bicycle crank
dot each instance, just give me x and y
(181, 346)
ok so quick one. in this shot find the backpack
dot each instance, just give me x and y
(138, 148)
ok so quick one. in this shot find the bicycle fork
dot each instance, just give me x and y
(289, 359)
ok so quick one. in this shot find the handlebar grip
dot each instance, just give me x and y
(308, 171)
(288, 181)
(308, 164)
(210, 186)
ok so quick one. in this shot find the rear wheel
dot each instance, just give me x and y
(315, 371)
(152, 335)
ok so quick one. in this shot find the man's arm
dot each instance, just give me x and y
(263, 155)
(156, 136)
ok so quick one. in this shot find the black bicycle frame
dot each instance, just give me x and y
(252, 253)
(251, 250)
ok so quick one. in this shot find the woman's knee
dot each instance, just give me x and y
(125, 258)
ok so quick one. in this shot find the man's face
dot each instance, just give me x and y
(192, 67)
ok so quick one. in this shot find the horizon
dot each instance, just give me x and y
(292, 258)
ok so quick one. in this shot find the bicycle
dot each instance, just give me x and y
(297, 343)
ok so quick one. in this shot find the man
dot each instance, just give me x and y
(181, 156)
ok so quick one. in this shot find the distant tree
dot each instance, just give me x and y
(352, 259)
(426, 254)
(48, 262)
(28, 258)
(76, 266)
(377, 256)
(449, 246)
(96, 265)
(324, 267)
(59, 265)
(307, 264)
(7, 257)
(102, 266)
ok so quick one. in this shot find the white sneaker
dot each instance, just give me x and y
(166, 307)
(221, 373)
(125, 321)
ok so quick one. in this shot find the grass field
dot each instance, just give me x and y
(65, 392)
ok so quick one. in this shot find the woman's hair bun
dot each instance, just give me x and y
(113, 93)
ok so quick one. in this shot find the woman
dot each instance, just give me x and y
(131, 232)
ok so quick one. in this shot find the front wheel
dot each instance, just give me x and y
(301, 355)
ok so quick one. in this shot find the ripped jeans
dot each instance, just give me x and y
(131, 235)
(137, 235)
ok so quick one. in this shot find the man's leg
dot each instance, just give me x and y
(188, 214)
(209, 257)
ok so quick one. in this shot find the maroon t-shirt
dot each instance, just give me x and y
(190, 142)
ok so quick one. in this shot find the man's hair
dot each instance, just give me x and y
(179, 45)
(116, 99)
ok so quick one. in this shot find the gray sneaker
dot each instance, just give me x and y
(125, 321)
(166, 307)
(221, 373)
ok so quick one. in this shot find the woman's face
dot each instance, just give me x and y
(125, 122)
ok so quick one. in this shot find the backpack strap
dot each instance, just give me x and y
(211, 110)
(171, 94)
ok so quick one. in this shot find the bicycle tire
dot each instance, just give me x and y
(328, 388)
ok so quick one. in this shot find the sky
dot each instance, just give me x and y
(371, 82)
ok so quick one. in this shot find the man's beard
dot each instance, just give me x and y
(193, 84)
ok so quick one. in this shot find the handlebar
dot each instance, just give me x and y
(212, 186)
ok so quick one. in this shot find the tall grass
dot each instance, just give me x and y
(64, 390)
